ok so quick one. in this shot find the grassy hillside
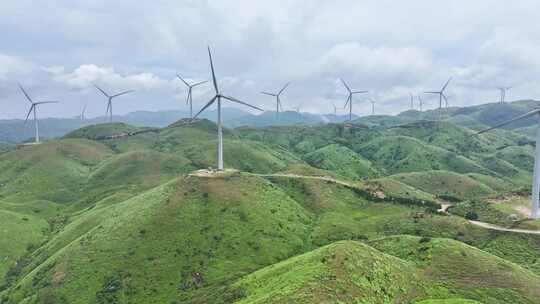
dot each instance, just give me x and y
(445, 184)
(341, 160)
(463, 271)
(397, 154)
(343, 272)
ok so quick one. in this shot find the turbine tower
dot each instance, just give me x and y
(335, 111)
(412, 100)
(441, 96)
(33, 108)
(189, 98)
(373, 101)
(536, 169)
(503, 91)
(420, 102)
(83, 113)
(109, 100)
(278, 100)
(349, 97)
(218, 97)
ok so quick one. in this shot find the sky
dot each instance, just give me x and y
(58, 49)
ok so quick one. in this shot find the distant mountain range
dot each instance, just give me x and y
(16, 131)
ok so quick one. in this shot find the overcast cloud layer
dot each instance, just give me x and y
(57, 49)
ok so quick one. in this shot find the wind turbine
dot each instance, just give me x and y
(536, 169)
(218, 97)
(189, 98)
(420, 102)
(109, 102)
(335, 111)
(441, 95)
(33, 108)
(278, 100)
(83, 117)
(503, 91)
(349, 97)
(412, 101)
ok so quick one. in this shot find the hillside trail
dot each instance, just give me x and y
(494, 227)
(444, 206)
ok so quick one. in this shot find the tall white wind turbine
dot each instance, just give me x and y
(536, 168)
(277, 95)
(441, 96)
(349, 97)
(503, 91)
(33, 108)
(189, 98)
(109, 100)
(218, 97)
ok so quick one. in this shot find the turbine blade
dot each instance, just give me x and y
(188, 95)
(269, 94)
(432, 92)
(359, 92)
(25, 94)
(446, 84)
(29, 111)
(43, 102)
(345, 84)
(104, 93)
(123, 93)
(180, 77)
(213, 72)
(199, 83)
(206, 106)
(348, 100)
(284, 87)
(241, 102)
(522, 116)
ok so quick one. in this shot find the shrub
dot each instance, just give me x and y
(471, 215)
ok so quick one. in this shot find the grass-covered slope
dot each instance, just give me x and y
(445, 184)
(341, 160)
(343, 272)
(397, 154)
(463, 271)
(221, 228)
(53, 171)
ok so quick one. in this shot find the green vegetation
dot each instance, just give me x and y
(342, 161)
(113, 213)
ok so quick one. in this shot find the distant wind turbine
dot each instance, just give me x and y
(441, 95)
(503, 91)
(373, 101)
(420, 102)
(335, 111)
(536, 169)
(109, 100)
(412, 100)
(277, 95)
(349, 97)
(83, 113)
(189, 98)
(218, 97)
(33, 108)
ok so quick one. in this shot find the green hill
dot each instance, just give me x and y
(445, 184)
(343, 272)
(341, 160)
(463, 271)
(397, 154)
